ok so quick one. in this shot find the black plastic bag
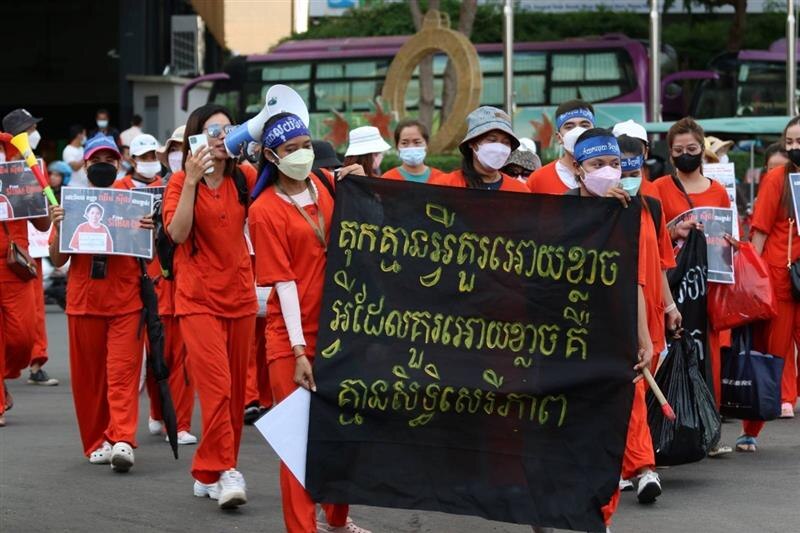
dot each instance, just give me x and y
(696, 429)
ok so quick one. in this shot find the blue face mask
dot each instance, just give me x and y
(412, 156)
(631, 185)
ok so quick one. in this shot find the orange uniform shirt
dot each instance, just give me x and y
(651, 262)
(546, 180)
(456, 179)
(769, 217)
(674, 201)
(18, 231)
(394, 174)
(287, 249)
(217, 279)
(165, 289)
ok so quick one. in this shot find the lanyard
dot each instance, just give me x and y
(319, 228)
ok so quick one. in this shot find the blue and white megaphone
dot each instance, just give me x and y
(279, 99)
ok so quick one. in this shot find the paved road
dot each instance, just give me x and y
(47, 485)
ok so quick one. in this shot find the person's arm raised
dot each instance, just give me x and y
(56, 216)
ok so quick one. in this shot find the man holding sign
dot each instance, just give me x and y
(103, 314)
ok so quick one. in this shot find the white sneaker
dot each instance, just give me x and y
(233, 489)
(121, 457)
(348, 527)
(156, 427)
(625, 485)
(787, 410)
(184, 437)
(649, 487)
(206, 490)
(102, 455)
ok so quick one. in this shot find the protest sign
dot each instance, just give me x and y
(725, 174)
(794, 182)
(105, 221)
(20, 194)
(717, 222)
(475, 353)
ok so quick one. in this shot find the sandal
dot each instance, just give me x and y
(719, 451)
(102, 455)
(746, 443)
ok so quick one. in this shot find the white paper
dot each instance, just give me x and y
(725, 174)
(285, 428)
(38, 242)
(92, 242)
(3, 210)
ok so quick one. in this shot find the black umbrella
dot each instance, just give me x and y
(155, 357)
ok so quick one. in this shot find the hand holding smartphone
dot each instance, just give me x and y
(197, 143)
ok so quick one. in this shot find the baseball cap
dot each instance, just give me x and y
(97, 143)
(18, 121)
(143, 143)
(631, 129)
(485, 119)
(366, 140)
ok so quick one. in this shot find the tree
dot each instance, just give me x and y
(427, 99)
(736, 33)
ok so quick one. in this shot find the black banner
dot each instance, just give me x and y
(476, 353)
(20, 194)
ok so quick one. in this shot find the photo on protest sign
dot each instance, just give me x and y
(794, 182)
(20, 194)
(471, 363)
(717, 223)
(105, 221)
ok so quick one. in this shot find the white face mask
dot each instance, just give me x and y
(175, 160)
(297, 165)
(148, 169)
(493, 155)
(102, 124)
(571, 137)
(34, 138)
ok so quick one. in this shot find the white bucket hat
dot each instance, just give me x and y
(366, 140)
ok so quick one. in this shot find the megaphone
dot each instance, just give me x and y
(21, 143)
(279, 99)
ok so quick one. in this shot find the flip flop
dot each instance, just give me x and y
(746, 443)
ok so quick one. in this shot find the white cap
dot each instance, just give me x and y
(571, 137)
(366, 140)
(141, 144)
(631, 129)
(527, 144)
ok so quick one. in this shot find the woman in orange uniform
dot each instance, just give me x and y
(411, 140)
(145, 175)
(290, 224)
(17, 296)
(774, 227)
(686, 190)
(598, 171)
(103, 314)
(489, 141)
(204, 213)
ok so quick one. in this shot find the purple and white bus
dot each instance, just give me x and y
(341, 78)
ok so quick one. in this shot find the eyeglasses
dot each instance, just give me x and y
(692, 149)
(215, 130)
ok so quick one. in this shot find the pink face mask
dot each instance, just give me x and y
(600, 181)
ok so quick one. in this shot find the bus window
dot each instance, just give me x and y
(530, 62)
(592, 76)
(256, 93)
(529, 89)
(275, 72)
(331, 95)
(761, 89)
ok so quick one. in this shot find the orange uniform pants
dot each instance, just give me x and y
(258, 387)
(780, 337)
(299, 511)
(18, 322)
(39, 351)
(217, 352)
(180, 387)
(105, 361)
(639, 451)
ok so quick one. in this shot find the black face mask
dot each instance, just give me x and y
(102, 174)
(688, 163)
(794, 156)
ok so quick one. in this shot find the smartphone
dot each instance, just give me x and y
(196, 143)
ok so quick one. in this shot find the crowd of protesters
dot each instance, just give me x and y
(240, 312)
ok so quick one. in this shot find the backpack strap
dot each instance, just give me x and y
(325, 182)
